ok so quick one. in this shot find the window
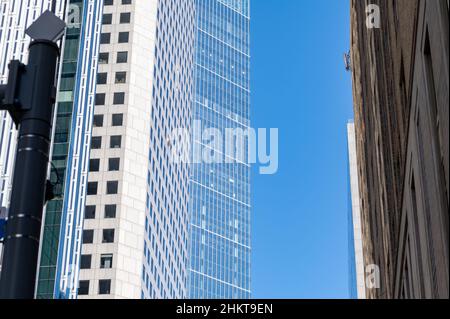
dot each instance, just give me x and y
(100, 99)
(83, 288)
(117, 119)
(108, 236)
(124, 37)
(102, 78)
(114, 164)
(105, 38)
(112, 187)
(122, 57)
(108, 2)
(88, 236)
(115, 141)
(121, 77)
(106, 261)
(98, 120)
(107, 18)
(92, 188)
(110, 211)
(104, 287)
(126, 1)
(119, 98)
(125, 17)
(85, 261)
(103, 58)
(94, 165)
(96, 143)
(89, 212)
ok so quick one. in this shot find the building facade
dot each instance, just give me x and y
(135, 235)
(220, 205)
(356, 258)
(400, 87)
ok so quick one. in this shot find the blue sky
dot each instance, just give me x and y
(299, 85)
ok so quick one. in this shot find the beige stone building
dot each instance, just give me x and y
(400, 64)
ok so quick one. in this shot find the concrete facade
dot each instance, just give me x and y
(136, 220)
(357, 244)
(400, 88)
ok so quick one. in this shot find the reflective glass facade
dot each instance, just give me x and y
(220, 193)
(63, 219)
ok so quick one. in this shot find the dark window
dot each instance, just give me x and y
(88, 236)
(117, 119)
(102, 78)
(115, 141)
(83, 288)
(110, 211)
(107, 18)
(98, 120)
(108, 2)
(103, 58)
(105, 38)
(108, 236)
(96, 142)
(106, 261)
(122, 57)
(119, 98)
(85, 261)
(112, 187)
(89, 212)
(125, 17)
(113, 164)
(94, 165)
(92, 188)
(126, 1)
(100, 99)
(124, 37)
(121, 77)
(104, 287)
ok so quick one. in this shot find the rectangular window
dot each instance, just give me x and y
(105, 38)
(124, 37)
(92, 188)
(112, 187)
(98, 120)
(104, 287)
(125, 17)
(110, 211)
(96, 142)
(122, 57)
(83, 288)
(114, 164)
(89, 212)
(100, 99)
(121, 77)
(117, 119)
(88, 236)
(85, 261)
(102, 78)
(107, 18)
(108, 236)
(94, 165)
(106, 261)
(119, 98)
(115, 142)
(103, 58)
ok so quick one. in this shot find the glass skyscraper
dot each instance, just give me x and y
(127, 222)
(220, 206)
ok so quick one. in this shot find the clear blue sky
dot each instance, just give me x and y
(300, 247)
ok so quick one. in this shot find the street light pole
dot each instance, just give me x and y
(23, 226)
(29, 97)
